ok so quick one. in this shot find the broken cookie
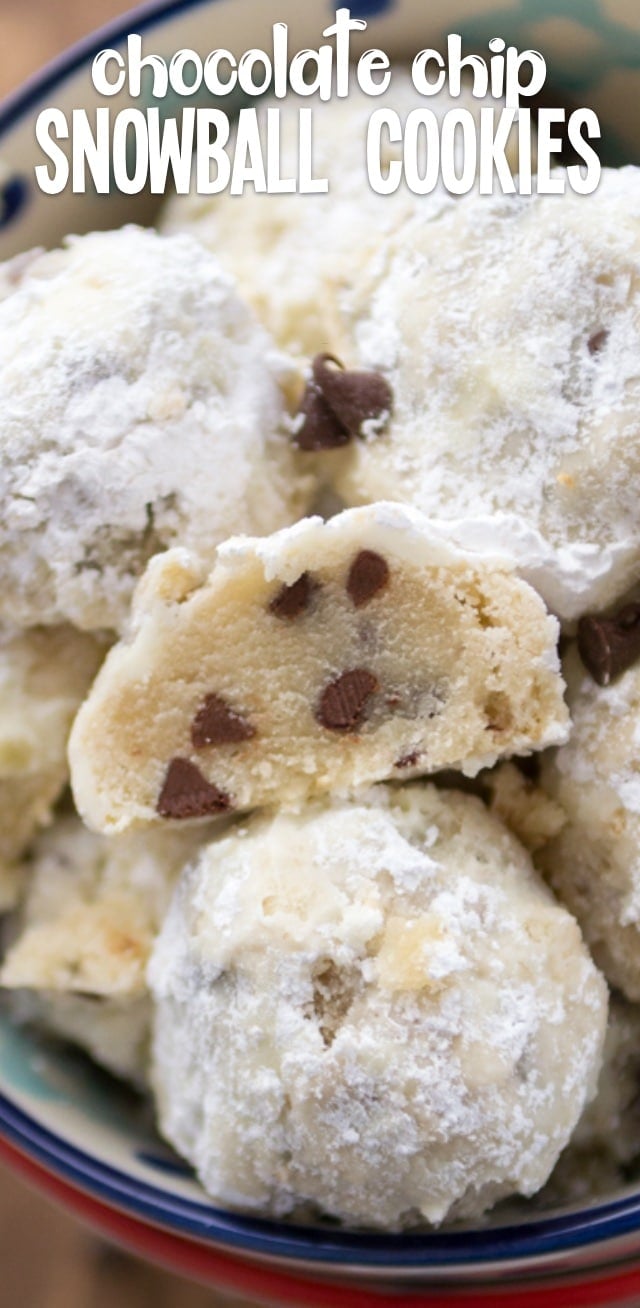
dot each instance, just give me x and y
(326, 656)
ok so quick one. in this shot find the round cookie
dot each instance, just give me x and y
(79, 944)
(326, 656)
(374, 1008)
(92, 908)
(593, 864)
(296, 281)
(141, 407)
(509, 330)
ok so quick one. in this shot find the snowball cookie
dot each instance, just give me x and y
(44, 674)
(80, 942)
(594, 862)
(326, 656)
(92, 908)
(114, 1032)
(509, 329)
(296, 255)
(141, 407)
(376, 1008)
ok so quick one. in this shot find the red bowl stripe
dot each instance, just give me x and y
(224, 1272)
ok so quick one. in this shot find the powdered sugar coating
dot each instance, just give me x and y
(297, 256)
(78, 945)
(141, 406)
(594, 863)
(376, 1008)
(92, 908)
(509, 329)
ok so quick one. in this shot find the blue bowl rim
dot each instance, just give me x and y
(140, 18)
(203, 1221)
(595, 1225)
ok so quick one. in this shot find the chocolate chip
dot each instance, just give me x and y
(343, 701)
(292, 600)
(187, 794)
(320, 429)
(596, 342)
(355, 397)
(408, 760)
(216, 723)
(336, 403)
(608, 646)
(368, 574)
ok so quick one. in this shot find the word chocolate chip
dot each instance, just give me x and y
(216, 723)
(337, 401)
(368, 574)
(343, 701)
(187, 794)
(608, 646)
(292, 600)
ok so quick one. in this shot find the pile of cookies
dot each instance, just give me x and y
(348, 852)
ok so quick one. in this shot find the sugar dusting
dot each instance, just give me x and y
(376, 1009)
(141, 407)
(504, 413)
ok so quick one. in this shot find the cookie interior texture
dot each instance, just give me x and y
(327, 656)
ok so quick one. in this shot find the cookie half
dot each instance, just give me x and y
(324, 657)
